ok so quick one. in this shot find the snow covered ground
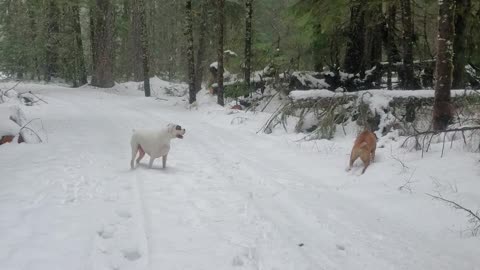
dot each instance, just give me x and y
(229, 199)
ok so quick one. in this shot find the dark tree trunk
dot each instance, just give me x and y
(389, 41)
(317, 44)
(53, 29)
(409, 81)
(442, 108)
(248, 43)
(220, 36)
(354, 55)
(459, 47)
(103, 43)
(200, 63)
(93, 44)
(136, 38)
(36, 68)
(374, 36)
(144, 46)
(81, 72)
(190, 55)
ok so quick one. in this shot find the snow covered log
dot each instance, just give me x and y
(379, 110)
(307, 80)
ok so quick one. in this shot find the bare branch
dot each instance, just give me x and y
(474, 216)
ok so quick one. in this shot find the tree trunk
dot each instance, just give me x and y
(81, 72)
(409, 82)
(459, 60)
(190, 56)
(393, 54)
(442, 108)
(136, 38)
(103, 43)
(248, 43)
(93, 44)
(356, 38)
(220, 34)
(200, 63)
(144, 46)
(53, 29)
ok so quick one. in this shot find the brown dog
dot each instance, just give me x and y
(364, 147)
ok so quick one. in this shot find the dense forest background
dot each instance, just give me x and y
(77, 39)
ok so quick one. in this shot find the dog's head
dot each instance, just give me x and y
(176, 131)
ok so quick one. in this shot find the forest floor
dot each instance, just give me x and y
(229, 198)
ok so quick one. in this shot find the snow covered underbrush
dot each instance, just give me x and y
(13, 119)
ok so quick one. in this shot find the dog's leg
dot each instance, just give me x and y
(134, 154)
(353, 157)
(142, 154)
(150, 164)
(164, 161)
(366, 162)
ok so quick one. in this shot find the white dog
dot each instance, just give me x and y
(156, 143)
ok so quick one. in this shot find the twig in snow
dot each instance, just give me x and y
(404, 167)
(432, 134)
(26, 127)
(474, 216)
(407, 184)
(30, 92)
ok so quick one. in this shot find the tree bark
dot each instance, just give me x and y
(393, 54)
(248, 43)
(136, 40)
(81, 72)
(102, 43)
(409, 82)
(442, 108)
(144, 47)
(459, 47)
(354, 56)
(200, 63)
(374, 35)
(53, 29)
(93, 44)
(220, 34)
(190, 55)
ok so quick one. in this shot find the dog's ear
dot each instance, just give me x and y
(178, 127)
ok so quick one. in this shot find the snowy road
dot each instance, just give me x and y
(229, 199)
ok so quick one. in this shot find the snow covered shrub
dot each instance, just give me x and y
(236, 90)
(13, 121)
